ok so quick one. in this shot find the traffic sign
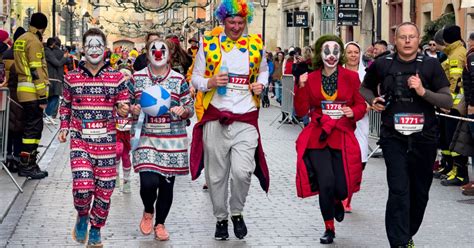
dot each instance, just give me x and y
(348, 13)
(328, 12)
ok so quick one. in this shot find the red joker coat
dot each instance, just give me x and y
(340, 131)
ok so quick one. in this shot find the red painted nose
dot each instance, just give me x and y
(158, 54)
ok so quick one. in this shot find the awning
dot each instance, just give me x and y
(467, 3)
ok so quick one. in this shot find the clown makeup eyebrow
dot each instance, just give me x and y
(96, 40)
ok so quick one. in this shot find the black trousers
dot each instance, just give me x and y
(150, 182)
(329, 169)
(33, 120)
(14, 144)
(409, 177)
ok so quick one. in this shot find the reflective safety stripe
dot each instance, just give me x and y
(457, 97)
(26, 89)
(455, 154)
(30, 141)
(446, 152)
(40, 86)
(19, 45)
(26, 69)
(455, 71)
(39, 64)
(26, 84)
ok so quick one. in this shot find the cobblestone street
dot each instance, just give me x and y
(44, 215)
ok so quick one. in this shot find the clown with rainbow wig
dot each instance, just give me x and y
(226, 140)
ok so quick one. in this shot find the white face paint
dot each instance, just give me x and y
(94, 49)
(158, 53)
(330, 53)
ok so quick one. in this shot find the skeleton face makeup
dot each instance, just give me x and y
(158, 53)
(330, 53)
(94, 49)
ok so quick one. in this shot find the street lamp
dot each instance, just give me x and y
(264, 5)
(86, 15)
(53, 9)
(71, 5)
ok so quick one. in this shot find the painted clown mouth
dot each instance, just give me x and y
(331, 61)
(94, 56)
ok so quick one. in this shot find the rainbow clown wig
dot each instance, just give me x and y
(230, 8)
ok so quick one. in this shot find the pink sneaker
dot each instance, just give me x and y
(146, 224)
(347, 206)
(161, 233)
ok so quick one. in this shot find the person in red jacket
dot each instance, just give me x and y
(329, 162)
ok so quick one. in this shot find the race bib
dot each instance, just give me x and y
(158, 122)
(94, 129)
(123, 124)
(408, 123)
(238, 84)
(333, 108)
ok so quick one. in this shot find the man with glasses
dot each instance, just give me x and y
(409, 86)
(432, 51)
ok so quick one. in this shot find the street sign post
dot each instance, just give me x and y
(348, 13)
(328, 12)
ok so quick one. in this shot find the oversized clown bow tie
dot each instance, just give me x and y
(227, 44)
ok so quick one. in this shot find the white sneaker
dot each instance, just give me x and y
(126, 187)
(117, 182)
(49, 120)
(46, 120)
(52, 120)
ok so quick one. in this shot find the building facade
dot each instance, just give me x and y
(463, 11)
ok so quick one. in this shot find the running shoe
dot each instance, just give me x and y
(94, 238)
(79, 233)
(222, 232)
(126, 187)
(146, 224)
(161, 233)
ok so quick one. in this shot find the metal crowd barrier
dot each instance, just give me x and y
(287, 97)
(4, 115)
(375, 121)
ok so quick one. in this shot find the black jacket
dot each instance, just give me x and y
(15, 118)
(55, 65)
(468, 78)
(140, 62)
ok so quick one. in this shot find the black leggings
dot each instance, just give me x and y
(329, 168)
(150, 182)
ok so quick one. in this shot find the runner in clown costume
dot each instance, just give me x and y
(162, 150)
(93, 94)
(328, 154)
(227, 140)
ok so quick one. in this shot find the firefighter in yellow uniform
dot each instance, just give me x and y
(453, 171)
(32, 91)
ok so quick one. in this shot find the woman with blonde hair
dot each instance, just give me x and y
(354, 63)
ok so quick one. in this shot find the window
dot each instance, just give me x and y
(395, 14)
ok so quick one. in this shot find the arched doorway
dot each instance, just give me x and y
(449, 8)
(125, 44)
